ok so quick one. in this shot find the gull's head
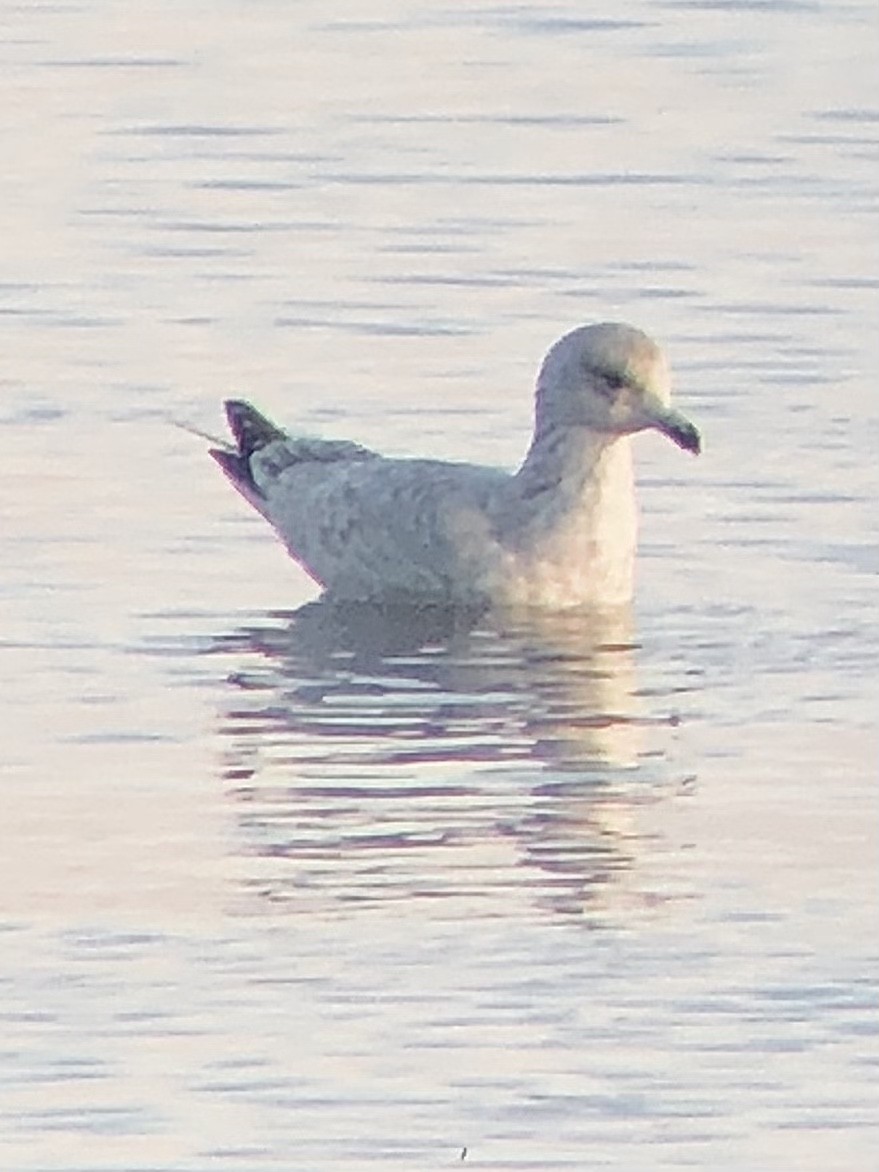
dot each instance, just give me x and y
(613, 379)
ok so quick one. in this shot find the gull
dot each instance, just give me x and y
(559, 533)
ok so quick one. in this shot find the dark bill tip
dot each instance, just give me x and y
(679, 429)
(687, 436)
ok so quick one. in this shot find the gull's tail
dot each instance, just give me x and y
(251, 432)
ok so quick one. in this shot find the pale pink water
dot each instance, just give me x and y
(331, 893)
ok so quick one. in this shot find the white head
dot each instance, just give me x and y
(609, 378)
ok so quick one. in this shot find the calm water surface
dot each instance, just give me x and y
(326, 888)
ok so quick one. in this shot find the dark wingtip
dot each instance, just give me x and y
(235, 466)
(236, 469)
(250, 429)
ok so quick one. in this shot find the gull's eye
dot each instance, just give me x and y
(611, 383)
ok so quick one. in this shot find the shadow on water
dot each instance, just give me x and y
(375, 754)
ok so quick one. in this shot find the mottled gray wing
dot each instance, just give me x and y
(364, 526)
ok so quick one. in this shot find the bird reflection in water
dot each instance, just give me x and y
(380, 753)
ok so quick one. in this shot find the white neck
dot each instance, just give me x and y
(572, 520)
